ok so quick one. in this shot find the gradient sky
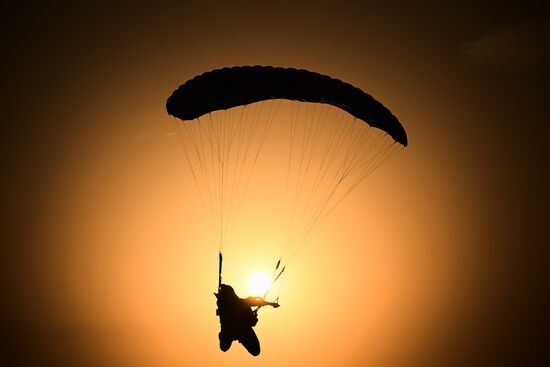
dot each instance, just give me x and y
(433, 261)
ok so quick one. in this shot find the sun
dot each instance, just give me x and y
(258, 283)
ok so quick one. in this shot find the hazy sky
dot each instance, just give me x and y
(433, 261)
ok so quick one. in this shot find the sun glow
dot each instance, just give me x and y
(258, 283)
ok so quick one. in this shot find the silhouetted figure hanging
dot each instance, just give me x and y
(237, 319)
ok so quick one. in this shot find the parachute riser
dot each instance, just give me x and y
(220, 261)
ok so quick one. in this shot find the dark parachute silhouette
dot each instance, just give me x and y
(237, 86)
(337, 136)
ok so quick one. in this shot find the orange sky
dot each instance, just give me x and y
(117, 264)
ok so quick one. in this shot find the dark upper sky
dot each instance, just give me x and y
(469, 80)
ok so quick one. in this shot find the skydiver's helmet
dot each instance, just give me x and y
(226, 291)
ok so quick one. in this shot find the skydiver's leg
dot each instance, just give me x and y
(225, 341)
(250, 341)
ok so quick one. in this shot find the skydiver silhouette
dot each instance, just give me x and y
(237, 319)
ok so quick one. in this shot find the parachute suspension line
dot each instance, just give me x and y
(290, 195)
(247, 137)
(219, 178)
(316, 122)
(330, 153)
(222, 125)
(285, 229)
(222, 149)
(274, 278)
(236, 175)
(323, 212)
(306, 152)
(312, 192)
(181, 140)
(275, 270)
(388, 153)
(210, 127)
(207, 129)
(340, 174)
(295, 191)
(196, 139)
(185, 128)
(314, 139)
(281, 286)
(262, 134)
(288, 227)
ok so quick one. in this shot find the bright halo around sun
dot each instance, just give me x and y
(258, 283)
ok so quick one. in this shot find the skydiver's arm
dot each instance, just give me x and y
(259, 301)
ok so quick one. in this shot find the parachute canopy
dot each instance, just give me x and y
(225, 88)
(334, 135)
